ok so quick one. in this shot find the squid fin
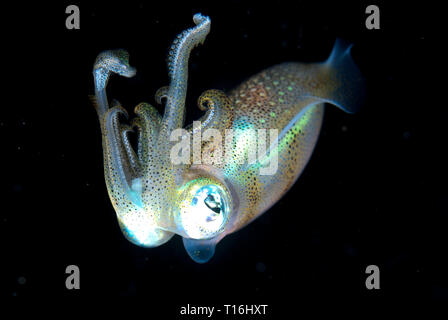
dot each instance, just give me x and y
(346, 81)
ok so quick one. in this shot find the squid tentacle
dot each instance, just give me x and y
(149, 125)
(132, 157)
(218, 107)
(118, 156)
(107, 62)
(174, 114)
(137, 123)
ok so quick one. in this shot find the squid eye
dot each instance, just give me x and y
(205, 212)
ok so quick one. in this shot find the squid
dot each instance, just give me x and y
(155, 195)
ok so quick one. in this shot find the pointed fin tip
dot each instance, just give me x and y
(340, 49)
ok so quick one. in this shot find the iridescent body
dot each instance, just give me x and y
(155, 198)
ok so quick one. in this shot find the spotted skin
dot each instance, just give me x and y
(155, 197)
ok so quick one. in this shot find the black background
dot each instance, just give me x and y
(372, 193)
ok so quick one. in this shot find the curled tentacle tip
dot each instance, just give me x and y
(161, 93)
(130, 72)
(118, 108)
(205, 103)
(211, 98)
(123, 65)
(202, 22)
(198, 18)
(116, 61)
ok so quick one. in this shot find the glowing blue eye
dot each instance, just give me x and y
(206, 213)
